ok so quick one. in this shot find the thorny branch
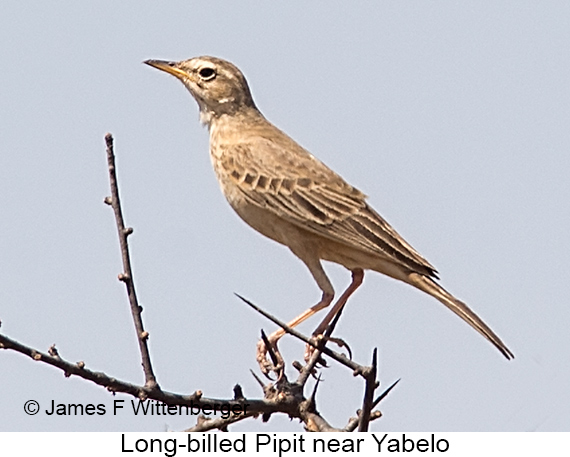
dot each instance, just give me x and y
(127, 275)
(340, 358)
(370, 387)
(282, 396)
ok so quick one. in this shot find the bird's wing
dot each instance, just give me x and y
(296, 186)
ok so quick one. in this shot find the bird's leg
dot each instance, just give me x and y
(357, 278)
(265, 365)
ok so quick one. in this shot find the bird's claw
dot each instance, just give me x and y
(276, 365)
(342, 344)
(309, 349)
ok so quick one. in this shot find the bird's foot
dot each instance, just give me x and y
(310, 350)
(275, 365)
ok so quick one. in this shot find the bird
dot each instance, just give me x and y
(285, 193)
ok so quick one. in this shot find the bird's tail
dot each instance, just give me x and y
(461, 309)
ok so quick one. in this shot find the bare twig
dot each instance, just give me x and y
(204, 424)
(355, 421)
(371, 385)
(340, 358)
(309, 368)
(127, 275)
(286, 399)
(99, 378)
(316, 357)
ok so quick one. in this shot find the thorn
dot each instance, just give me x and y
(384, 394)
(259, 381)
(269, 349)
(314, 393)
(238, 393)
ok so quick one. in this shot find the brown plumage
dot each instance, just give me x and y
(285, 193)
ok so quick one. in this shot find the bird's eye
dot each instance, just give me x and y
(207, 73)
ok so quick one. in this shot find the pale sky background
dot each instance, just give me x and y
(454, 117)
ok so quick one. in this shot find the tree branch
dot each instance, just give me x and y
(340, 358)
(279, 397)
(127, 276)
(369, 389)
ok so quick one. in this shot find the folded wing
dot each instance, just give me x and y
(304, 191)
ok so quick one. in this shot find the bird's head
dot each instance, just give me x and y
(218, 86)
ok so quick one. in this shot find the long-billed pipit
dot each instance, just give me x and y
(288, 195)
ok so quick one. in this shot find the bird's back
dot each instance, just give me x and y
(259, 165)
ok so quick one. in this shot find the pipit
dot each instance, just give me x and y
(285, 193)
